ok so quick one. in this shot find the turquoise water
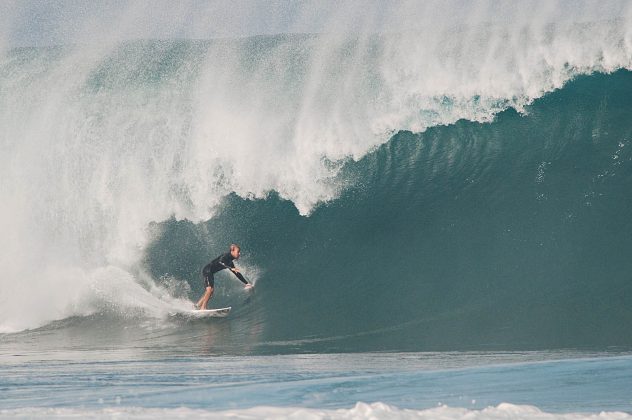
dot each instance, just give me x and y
(508, 235)
(436, 219)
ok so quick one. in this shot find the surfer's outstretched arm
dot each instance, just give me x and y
(235, 270)
(240, 276)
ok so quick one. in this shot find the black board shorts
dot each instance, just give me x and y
(209, 279)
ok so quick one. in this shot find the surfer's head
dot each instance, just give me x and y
(235, 251)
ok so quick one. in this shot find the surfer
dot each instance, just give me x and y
(220, 263)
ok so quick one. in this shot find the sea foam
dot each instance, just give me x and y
(361, 410)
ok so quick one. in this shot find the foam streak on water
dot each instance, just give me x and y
(561, 382)
(503, 411)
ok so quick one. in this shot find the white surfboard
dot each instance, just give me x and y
(203, 313)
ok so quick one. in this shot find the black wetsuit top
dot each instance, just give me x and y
(220, 263)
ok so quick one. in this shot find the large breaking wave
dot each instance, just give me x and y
(127, 164)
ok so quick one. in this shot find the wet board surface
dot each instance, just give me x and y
(203, 313)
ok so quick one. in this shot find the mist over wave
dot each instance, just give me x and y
(104, 134)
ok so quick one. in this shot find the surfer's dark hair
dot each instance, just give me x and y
(232, 246)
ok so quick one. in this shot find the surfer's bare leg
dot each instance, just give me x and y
(205, 298)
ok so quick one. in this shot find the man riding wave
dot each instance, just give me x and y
(224, 261)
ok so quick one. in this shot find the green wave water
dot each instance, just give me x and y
(447, 187)
(508, 235)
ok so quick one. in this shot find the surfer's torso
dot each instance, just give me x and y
(220, 263)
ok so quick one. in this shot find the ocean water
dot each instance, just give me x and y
(432, 199)
(145, 382)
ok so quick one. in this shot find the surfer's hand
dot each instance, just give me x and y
(234, 270)
(248, 286)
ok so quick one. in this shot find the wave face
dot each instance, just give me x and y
(513, 234)
(126, 164)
